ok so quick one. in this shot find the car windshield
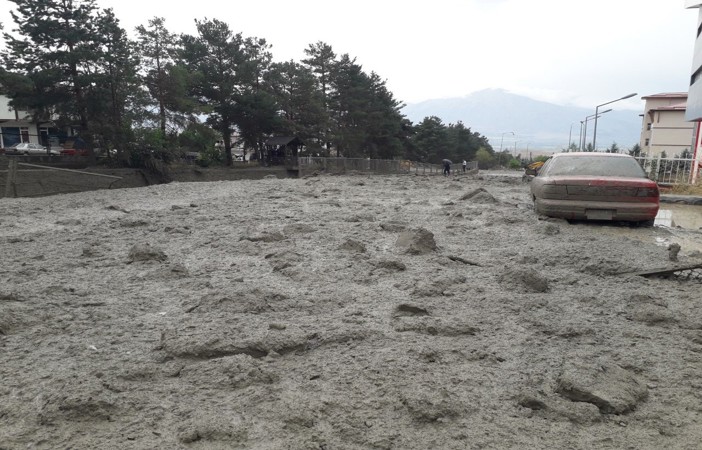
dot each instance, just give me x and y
(594, 165)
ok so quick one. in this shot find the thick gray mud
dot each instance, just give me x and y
(346, 312)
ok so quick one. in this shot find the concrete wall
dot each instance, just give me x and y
(33, 182)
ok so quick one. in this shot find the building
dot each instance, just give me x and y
(664, 127)
(694, 95)
(15, 126)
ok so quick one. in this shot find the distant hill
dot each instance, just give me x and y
(544, 126)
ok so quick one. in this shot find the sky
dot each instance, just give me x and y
(567, 52)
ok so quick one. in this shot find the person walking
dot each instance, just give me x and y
(447, 167)
(464, 166)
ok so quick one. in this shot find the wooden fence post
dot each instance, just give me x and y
(10, 184)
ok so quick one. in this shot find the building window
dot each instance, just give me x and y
(648, 141)
(10, 136)
(24, 131)
(648, 126)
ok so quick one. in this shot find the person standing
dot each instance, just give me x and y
(464, 166)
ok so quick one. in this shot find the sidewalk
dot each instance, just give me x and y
(684, 199)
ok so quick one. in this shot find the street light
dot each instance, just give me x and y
(502, 138)
(587, 119)
(594, 136)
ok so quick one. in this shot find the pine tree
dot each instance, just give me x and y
(60, 58)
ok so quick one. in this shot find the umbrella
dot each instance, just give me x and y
(447, 161)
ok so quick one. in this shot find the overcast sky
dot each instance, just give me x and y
(569, 52)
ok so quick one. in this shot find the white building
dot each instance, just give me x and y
(664, 128)
(694, 99)
(16, 126)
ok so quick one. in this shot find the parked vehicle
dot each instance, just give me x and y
(74, 152)
(595, 186)
(27, 148)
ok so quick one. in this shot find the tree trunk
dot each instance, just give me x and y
(227, 135)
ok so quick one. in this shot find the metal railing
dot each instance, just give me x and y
(670, 170)
(308, 164)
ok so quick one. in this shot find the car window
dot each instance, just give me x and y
(544, 168)
(594, 166)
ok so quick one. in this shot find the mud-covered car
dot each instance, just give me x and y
(595, 186)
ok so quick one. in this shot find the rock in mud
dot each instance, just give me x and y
(611, 388)
(351, 245)
(416, 242)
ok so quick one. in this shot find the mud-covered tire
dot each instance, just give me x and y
(646, 223)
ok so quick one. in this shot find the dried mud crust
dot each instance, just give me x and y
(339, 312)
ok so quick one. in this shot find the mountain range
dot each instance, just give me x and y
(537, 125)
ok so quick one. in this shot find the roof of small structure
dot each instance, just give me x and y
(283, 140)
(667, 95)
(675, 107)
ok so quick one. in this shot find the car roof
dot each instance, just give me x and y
(586, 154)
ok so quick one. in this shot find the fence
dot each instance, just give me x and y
(670, 170)
(23, 179)
(308, 164)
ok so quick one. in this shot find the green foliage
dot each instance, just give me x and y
(434, 141)
(614, 148)
(164, 79)
(485, 158)
(198, 138)
(635, 150)
(72, 62)
(514, 163)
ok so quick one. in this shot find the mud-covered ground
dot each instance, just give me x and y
(340, 312)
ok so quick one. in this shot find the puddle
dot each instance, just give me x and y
(684, 223)
(674, 215)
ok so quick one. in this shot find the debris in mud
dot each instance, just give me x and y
(611, 388)
(416, 242)
(673, 250)
(390, 266)
(688, 272)
(117, 208)
(393, 227)
(145, 252)
(464, 261)
(652, 314)
(410, 310)
(275, 236)
(479, 195)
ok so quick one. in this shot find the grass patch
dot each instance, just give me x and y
(685, 189)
